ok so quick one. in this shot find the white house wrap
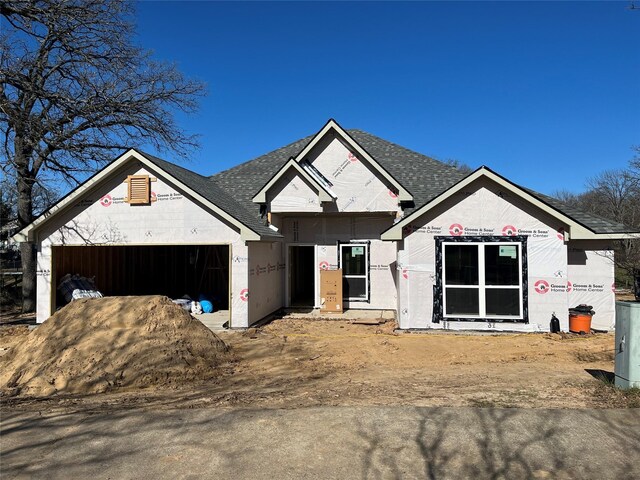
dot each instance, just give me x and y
(443, 249)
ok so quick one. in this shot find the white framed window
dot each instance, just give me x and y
(482, 280)
(354, 262)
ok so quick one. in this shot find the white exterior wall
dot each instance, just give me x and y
(239, 284)
(356, 184)
(325, 231)
(483, 210)
(592, 281)
(103, 218)
(291, 193)
(266, 279)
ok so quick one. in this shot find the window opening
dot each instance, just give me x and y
(354, 262)
(481, 278)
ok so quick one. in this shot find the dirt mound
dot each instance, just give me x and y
(103, 344)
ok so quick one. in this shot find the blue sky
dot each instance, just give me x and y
(544, 93)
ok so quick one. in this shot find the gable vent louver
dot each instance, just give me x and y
(139, 190)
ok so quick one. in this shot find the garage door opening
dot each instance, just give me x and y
(171, 270)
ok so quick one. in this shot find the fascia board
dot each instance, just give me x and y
(607, 236)
(268, 238)
(21, 236)
(323, 194)
(403, 193)
(27, 233)
(577, 230)
(323, 131)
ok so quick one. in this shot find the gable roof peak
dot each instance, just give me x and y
(403, 193)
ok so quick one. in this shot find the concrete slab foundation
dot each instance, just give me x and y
(350, 314)
(214, 321)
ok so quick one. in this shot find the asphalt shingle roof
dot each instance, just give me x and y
(424, 177)
(215, 194)
(245, 180)
(589, 220)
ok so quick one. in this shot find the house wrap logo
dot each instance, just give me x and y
(569, 286)
(106, 201)
(352, 158)
(392, 194)
(509, 230)
(588, 287)
(244, 294)
(541, 286)
(405, 273)
(560, 233)
(456, 229)
(324, 265)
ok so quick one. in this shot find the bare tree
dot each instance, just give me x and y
(45, 194)
(74, 91)
(567, 197)
(614, 195)
(455, 163)
(634, 165)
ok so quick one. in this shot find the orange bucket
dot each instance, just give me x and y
(580, 322)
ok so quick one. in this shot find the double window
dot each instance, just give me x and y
(354, 262)
(482, 280)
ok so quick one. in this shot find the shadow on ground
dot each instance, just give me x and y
(328, 442)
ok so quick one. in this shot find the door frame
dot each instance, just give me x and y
(316, 274)
(367, 276)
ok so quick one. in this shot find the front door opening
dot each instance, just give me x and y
(302, 275)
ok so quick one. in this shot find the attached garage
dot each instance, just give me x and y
(171, 270)
(143, 226)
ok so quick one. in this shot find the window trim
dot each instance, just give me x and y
(439, 294)
(367, 276)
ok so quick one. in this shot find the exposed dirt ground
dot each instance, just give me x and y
(292, 363)
(97, 345)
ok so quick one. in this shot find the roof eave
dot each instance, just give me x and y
(607, 236)
(577, 230)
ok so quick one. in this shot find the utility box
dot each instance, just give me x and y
(627, 367)
(331, 291)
